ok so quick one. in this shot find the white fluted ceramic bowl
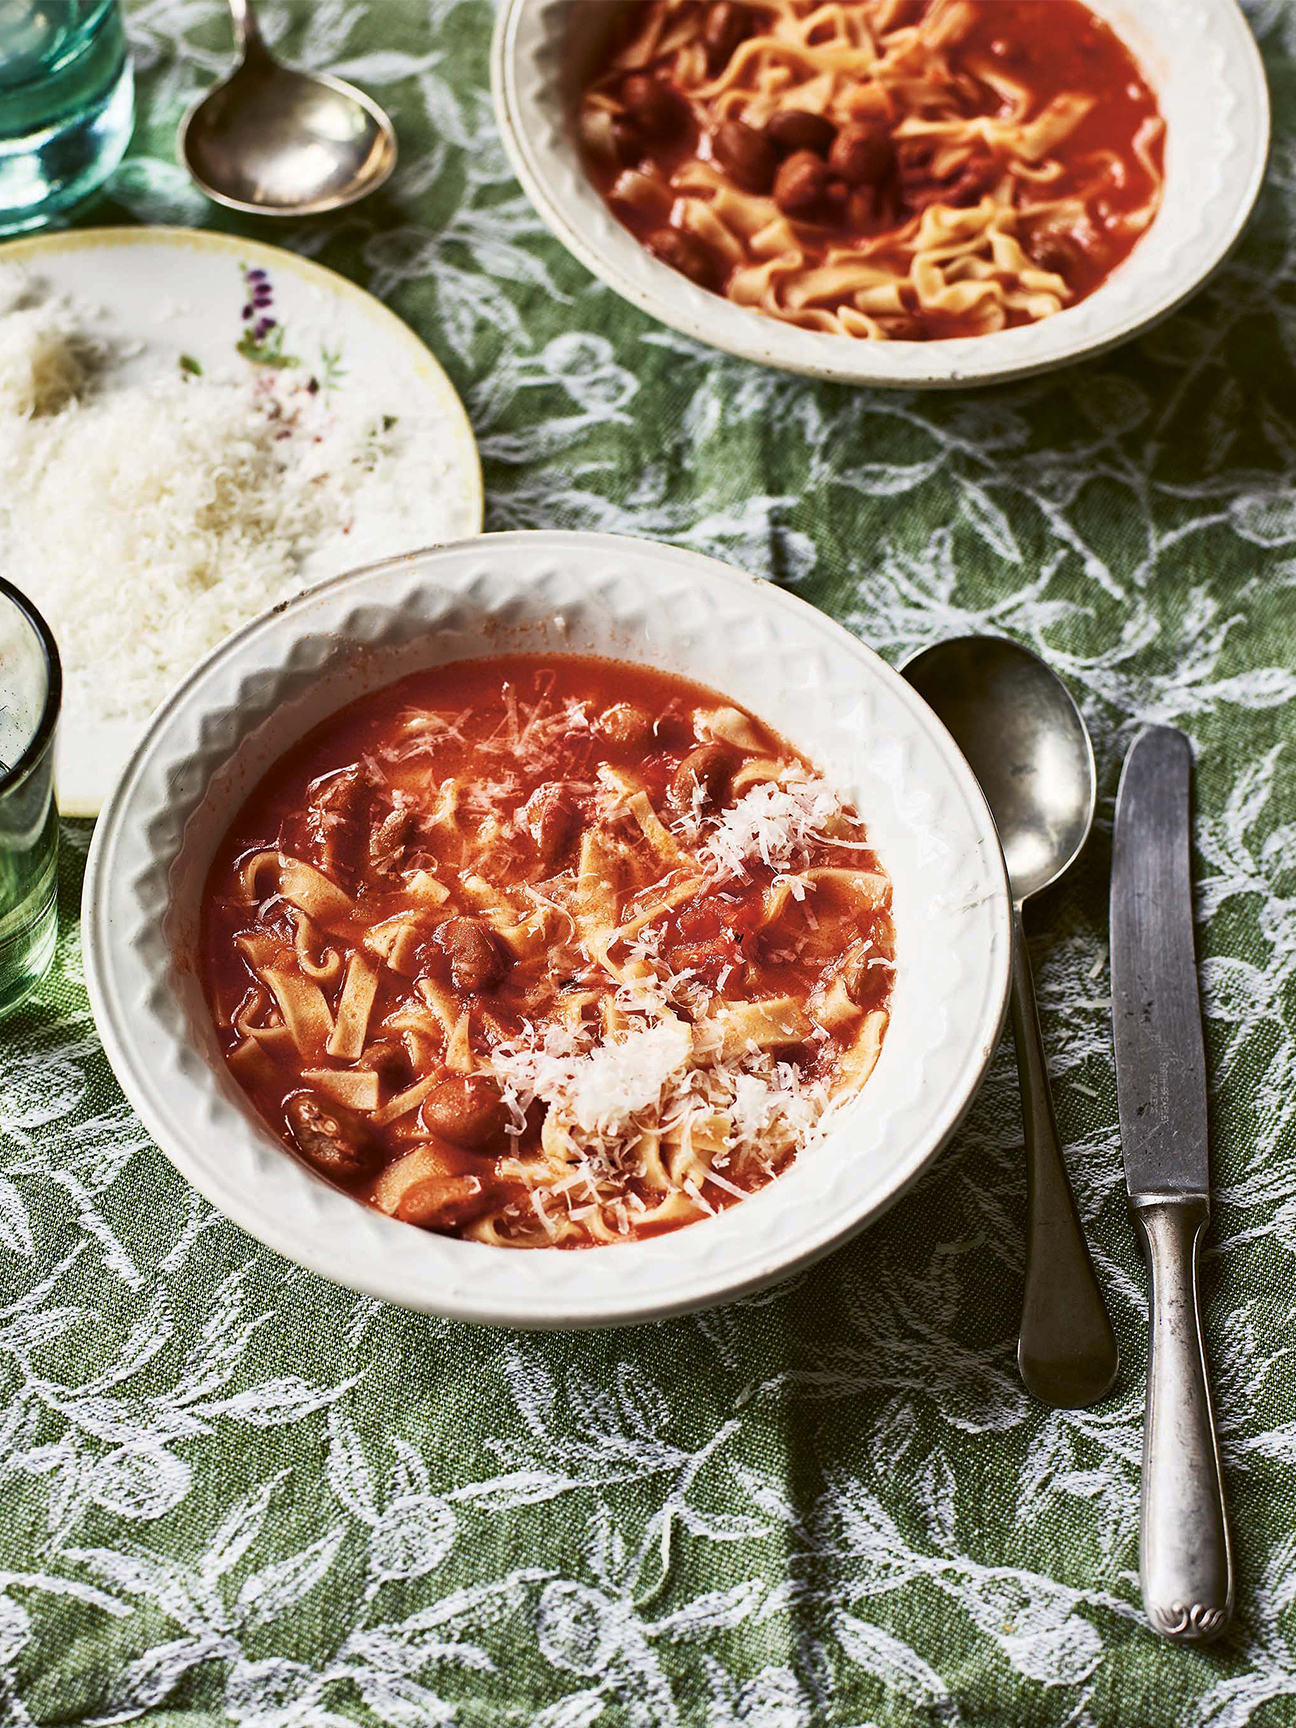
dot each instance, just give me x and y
(573, 593)
(1198, 55)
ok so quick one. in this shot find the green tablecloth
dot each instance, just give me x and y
(234, 1493)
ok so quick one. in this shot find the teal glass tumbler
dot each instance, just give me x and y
(67, 105)
(31, 688)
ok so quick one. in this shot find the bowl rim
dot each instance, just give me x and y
(106, 907)
(556, 186)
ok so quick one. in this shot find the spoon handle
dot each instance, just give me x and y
(247, 32)
(1067, 1351)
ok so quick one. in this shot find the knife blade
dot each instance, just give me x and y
(1185, 1557)
(1156, 1012)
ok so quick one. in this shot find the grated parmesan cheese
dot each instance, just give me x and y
(601, 1088)
(774, 824)
(42, 365)
(148, 520)
(658, 1074)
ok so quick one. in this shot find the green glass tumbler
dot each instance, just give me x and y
(31, 689)
(67, 104)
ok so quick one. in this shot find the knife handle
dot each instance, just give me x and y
(1186, 1558)
(1067, 1351)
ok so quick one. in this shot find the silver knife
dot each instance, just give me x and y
(1185, 1555)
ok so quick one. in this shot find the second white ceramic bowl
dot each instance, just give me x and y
(1199, 56)
(547, 592)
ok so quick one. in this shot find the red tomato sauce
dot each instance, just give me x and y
(362, 801)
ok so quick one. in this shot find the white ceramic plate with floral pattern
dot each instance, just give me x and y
(570, 593)
(177, 298)
(1198, 55)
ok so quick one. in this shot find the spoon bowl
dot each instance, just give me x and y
(272, 141)
(1026, 741)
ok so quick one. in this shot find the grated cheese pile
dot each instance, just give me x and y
(600, 1089)
(148, 520)
(660, 1075)
(774, 824)
(42, 365)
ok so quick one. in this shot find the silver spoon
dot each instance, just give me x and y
(1028, 745)
(275, 142)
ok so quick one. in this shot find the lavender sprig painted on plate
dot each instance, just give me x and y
(263, 338)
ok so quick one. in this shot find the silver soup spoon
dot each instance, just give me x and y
(276, 142)
(1027, 744)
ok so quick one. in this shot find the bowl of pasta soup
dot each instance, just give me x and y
(906, 192)
(553, 929)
